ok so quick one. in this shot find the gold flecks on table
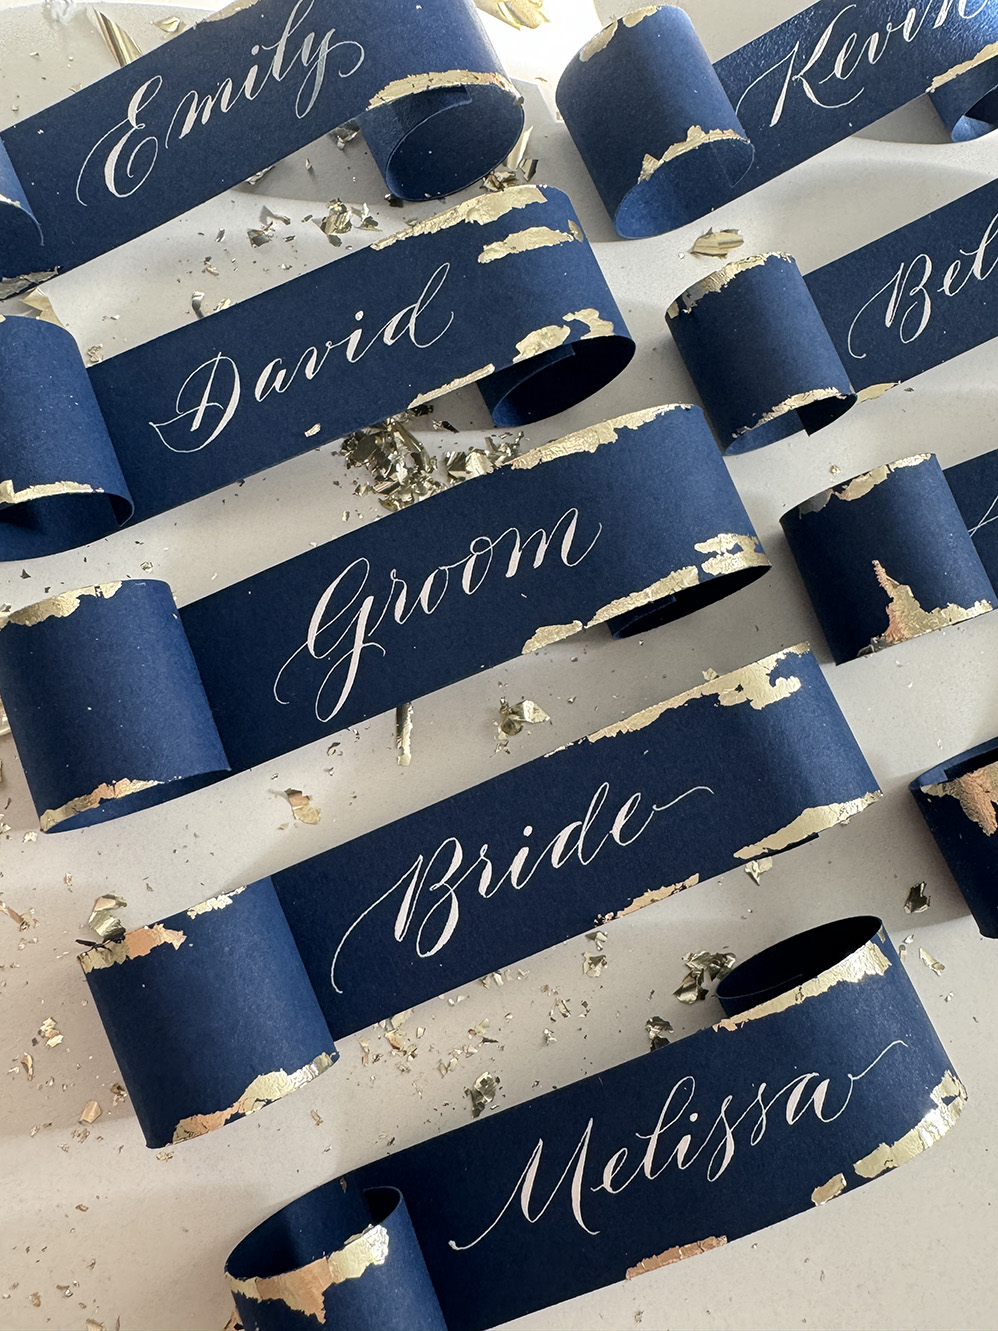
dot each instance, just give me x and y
(703, 966)
(90, 1112)
(50, 1032)
(482, 1092)
(917, 900)
(302, 807)
(929, 960)
(717, 244)
(658, 1031)
(594, 964)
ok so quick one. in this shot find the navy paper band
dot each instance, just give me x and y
(959, 801)
(632, 523)
(825, 1074)
(502, 290)
(887, 556)
(666, 136)
(772, 352)
(233, 95)
(749, 764)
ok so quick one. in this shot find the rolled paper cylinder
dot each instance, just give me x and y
(746, 765)
(959, 801)
(338, 1256)
(631, 523)
(234, 94)
(210, 1013)
(110, 709)
(886, 557)
(825, 1074)
(771, 352)
(758, 352)
(502, 290)
(652, 122)
(666, 136)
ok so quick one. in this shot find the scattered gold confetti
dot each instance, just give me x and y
(917, 900)
(117, 40)
(756, 868)
(658, 1031)
(929, 960)
(483, 1092)
(594, 963)
(517, 13)
(401, 468)
(50, 1032)
(713, 965)
(90, 1112)
(467, 463)
(302, 807)
(717, 244)
(403, 734)
(21, 922)
(104, 921)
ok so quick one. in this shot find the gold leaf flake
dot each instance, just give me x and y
(541, 340)
(873, 391)
(302, 807)
(731, 553)
(304, 1290)
(756, 868)
(835, 1186)
(677, 1254)
(977, 793)
(594, 963)
(551, 633)
(652, 895)
(793, 403)
(929, 960)
(8, 495)
(39, 301)
(90, 1112)
(595, 436)
(118, 1093)
(316, 1117)
(50, 1032)
(514, 716)
(517, 13)
(215, 903)
(949, 1097)
(171, 25)
(28, 1063)
(482, 1092)
(403, 734)
(117, 40)
(14, 286)
(20, 920)
(658, 1031)
(103, 919)
(598, 326)
(905, 617)
(261, 1091)
(917, 900)
(136, 943)
(108, 790)
(717, 281)
(985, 53)
(481, 210)
(807, 824)
(696, 137)
(412, 84)
(59, 607)
(606, 35)
(717, 244)
(520, 242)
(701, 965)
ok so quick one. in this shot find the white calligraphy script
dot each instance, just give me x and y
(712, 1148)
(123, 158)
(426, 899)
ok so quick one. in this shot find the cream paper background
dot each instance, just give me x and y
(916, 1250)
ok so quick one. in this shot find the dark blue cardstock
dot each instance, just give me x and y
(666, 136)
(234, 94)
(825, 1074)
(745, 765)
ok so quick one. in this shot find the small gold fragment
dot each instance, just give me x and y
(104, 921)
(949, 1098)
(28, 1063)
(482, 1092)
(929, 960)
(835, 1186)
(917, 900)
(677, 1254)
(541, 340)
(717, 244)
(977, 793)
(302, 807)
(171, 25)
(712, 965)
(658, 1031)
(514, 716)
(756, 868)
(90, 1112)
(593, 964)
(50, 1032)
(20, 920)
(403, 734)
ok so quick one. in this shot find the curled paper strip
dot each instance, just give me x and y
(502, 290)
(959, 801)
(667, 136)
(772, 352)
(825, 1074)
(892, 554)
(117, 702)
(748, 764)
(234, 94)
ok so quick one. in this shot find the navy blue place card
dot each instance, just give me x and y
(745, 765)
(772, 352)
(825, 1074)
(234, 94)
(667, 136)
(502, 290)
(959, 801)
(892, 554)
(631, 523)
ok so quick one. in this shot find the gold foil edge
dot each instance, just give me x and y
(214, 903)
(977, 793)
(108, 790)
(906, 619)
(983, 55)
(949, 1096)
(696, 137)
(807, 824)
(793, 403)
(261, 1091)
(8, 495)
(136, 943)
(59, 607)
(866, 962)
(719, 279)
(860, 485)
(519, 242)
(541, 340)
(650, 897)
(481, 210)
(413, 84)
(304, 1290)
(873, 391)
(588, 440)
(606, 35)
(677, 1254)
(729, 553)
(549, 634)
(677, 581)
(835, 1187)
(452, 387)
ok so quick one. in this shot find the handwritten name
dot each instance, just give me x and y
(427, 897)
(712, 1148)
(838, 56)
(211, 394)
(123, 158)
(906, 301)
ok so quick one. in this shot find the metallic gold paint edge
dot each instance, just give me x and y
(677, 1254)
(262, 1090)
(107, 790)
(59, 607)
(808, 823)
(949, 1096)
(304, 1289)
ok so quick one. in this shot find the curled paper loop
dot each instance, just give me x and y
(366, 1274)
(886, 557)
(502, 290)
(210, 1012)
(237, 92)
(652, 122)
(666, 136)
(112, 716)
(747, 764)
(759, 354)
(630, 523)
(959, 801)
(825, 1074)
